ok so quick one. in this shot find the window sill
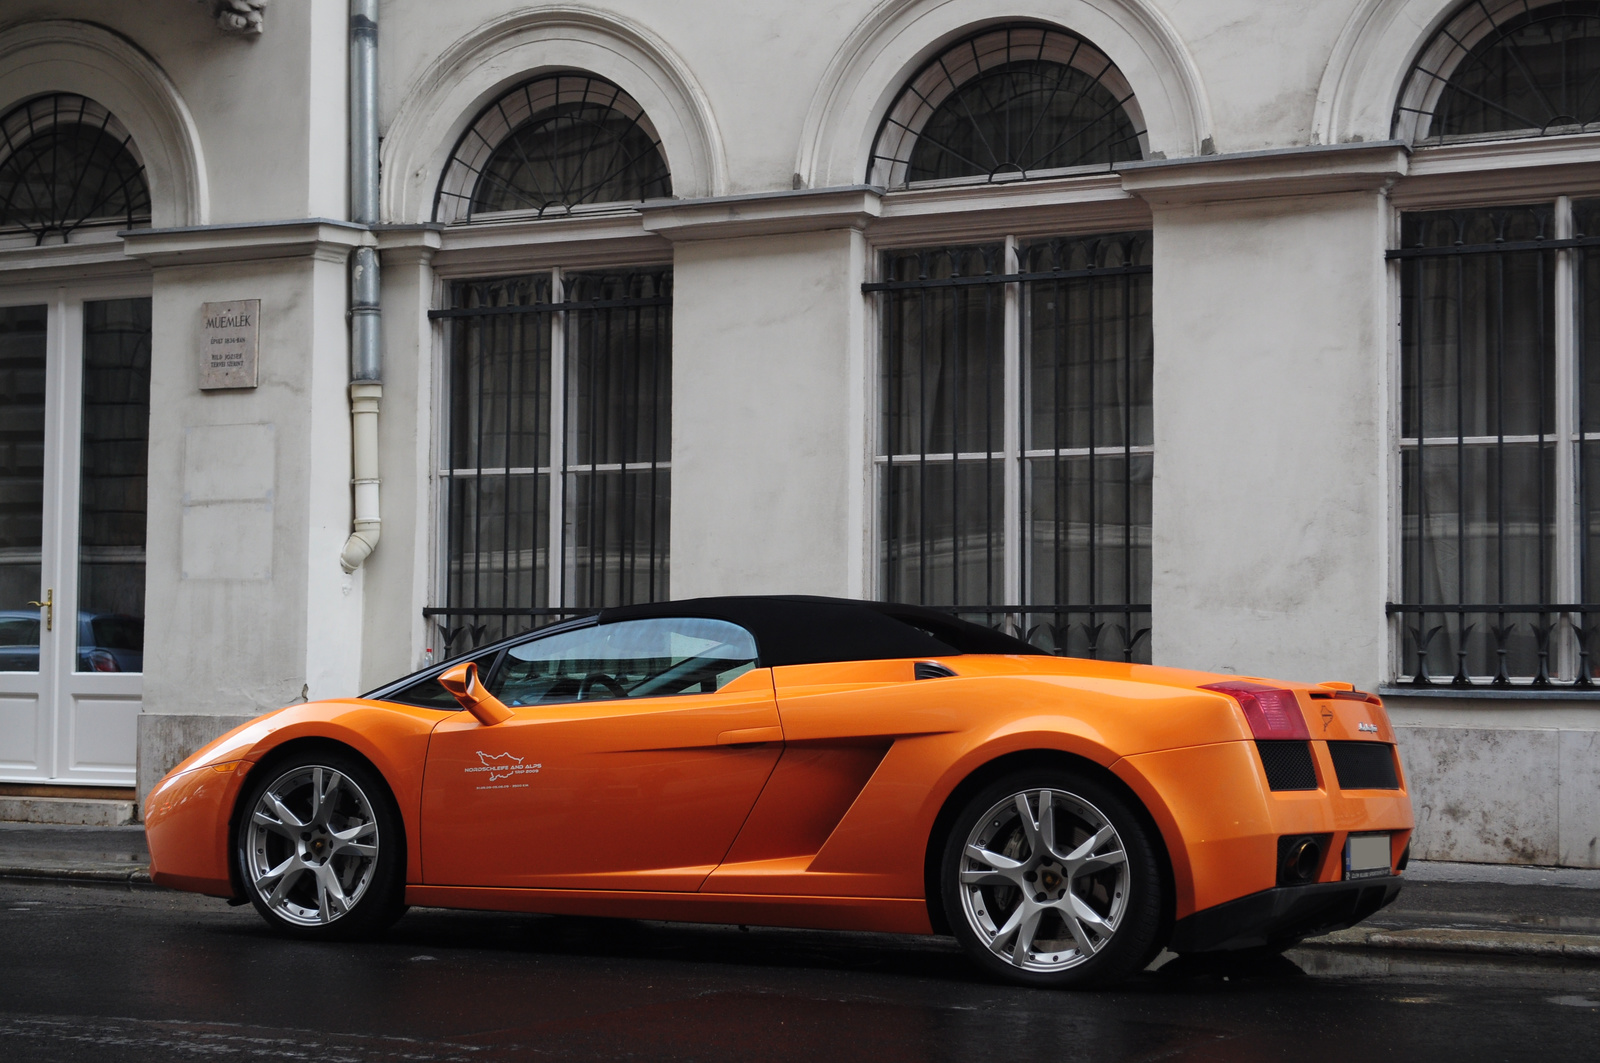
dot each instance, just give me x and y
(1516, 693)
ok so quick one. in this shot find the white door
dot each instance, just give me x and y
(74, 431)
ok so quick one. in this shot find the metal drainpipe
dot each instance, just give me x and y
(366, 351)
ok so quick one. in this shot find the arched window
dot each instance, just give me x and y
(66, 163)
(1008, 103)
(552, 145)
(1505, 67)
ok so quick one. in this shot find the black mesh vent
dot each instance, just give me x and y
(1288, 765)
(1364, 765)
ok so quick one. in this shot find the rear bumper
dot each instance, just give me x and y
(1282, 916)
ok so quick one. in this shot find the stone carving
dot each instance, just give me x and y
(237, 16)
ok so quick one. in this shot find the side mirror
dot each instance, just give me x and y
(462, 682)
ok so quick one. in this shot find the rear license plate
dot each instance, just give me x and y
(1366, 856)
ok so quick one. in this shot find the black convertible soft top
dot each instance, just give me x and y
(801, 629)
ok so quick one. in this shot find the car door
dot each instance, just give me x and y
(635, 751)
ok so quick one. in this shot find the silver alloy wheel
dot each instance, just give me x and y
(1044, 880)
(311, 845)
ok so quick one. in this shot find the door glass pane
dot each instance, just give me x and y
(22, 363)
(111, 517)
(497, 481)
(941, 487)
(619, 431)
(629, 659)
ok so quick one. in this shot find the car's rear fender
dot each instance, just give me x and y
(1047, 754)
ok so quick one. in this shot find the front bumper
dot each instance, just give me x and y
(1280, 917)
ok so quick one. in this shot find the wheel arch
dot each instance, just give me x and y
(1019, 760)
(283, 751)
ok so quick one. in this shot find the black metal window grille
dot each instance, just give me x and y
(66, 163)
(1499, 419)
(556, 479)
(1015, 441)
(1008, 103)
(1502, 67)
(553, 145)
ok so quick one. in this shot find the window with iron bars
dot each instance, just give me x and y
(1500, 421)
(555, 476)
(1015, 437)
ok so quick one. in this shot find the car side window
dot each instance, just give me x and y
(628, 659)
(429, 694)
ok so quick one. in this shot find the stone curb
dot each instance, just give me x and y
(123, 876)
(1581, 947)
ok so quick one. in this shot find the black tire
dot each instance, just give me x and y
(322, 843)
(1125, 896)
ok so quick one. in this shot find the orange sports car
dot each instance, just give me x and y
(810, 762)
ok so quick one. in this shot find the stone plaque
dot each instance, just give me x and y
(229, 336)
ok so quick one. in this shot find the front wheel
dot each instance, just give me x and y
(320, 847)
(1049, 878)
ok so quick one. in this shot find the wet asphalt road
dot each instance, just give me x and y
(107, 973)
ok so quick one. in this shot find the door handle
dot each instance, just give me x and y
(49, 607)
(750, 736)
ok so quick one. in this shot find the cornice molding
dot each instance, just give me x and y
(1277, 174)
(533, 243)
(324, 239)
(1532, 167)
(67, 262)
(1062, 206)
(763, 213)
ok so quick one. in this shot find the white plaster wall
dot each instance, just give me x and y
(1269, 504)
(398, 576)
(235, 635)
(269, 110)
(768, 416)
(760, 65)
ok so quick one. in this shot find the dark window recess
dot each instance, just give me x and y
(429, 694)
(1288, 765)
(1364, 765)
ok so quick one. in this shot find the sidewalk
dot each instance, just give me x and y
(1552, 913)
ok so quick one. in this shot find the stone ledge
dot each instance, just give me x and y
(1582, 947)
(123, 876)
(68, 811)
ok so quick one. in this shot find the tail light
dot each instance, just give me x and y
(101, 661)
(1272, 711)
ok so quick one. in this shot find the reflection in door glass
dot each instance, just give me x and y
(111, 517)
(22, 355)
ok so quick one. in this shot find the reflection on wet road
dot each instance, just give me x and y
(104, 973)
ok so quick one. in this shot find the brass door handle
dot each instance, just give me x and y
(49, 607)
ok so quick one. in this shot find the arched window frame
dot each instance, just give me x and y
(40, 116)
(509, 112)
(1440, 60)
(973, 57)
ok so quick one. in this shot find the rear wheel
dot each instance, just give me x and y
(1051, 879)
(320, 847)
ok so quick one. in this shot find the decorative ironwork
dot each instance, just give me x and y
(1505, 66)
(66, 163)
(557, 486)
(1064, 494)
(1497, 524)
(552, 145)
(1008, 103)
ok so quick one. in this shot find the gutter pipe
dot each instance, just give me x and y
(366, 351)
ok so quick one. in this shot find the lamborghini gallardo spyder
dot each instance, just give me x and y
(810, 762)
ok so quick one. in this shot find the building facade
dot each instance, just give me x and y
(1239, 336)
